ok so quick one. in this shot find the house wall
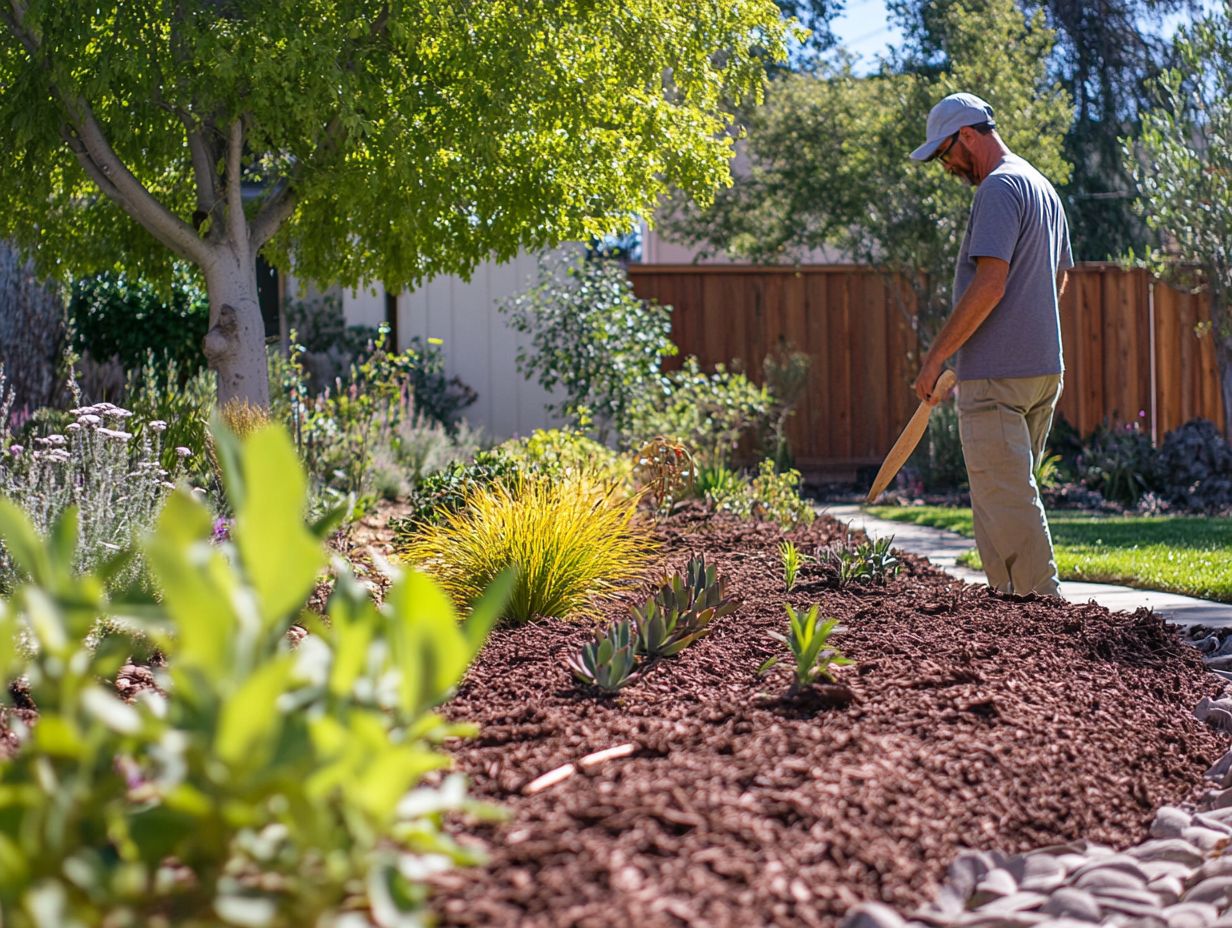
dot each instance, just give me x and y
(478, 345)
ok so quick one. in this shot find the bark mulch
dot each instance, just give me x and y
(975, 720)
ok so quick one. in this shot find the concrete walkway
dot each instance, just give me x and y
(943, 548)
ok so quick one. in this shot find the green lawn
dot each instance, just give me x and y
(1179, 554)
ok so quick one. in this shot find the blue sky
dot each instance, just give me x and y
(863, 29)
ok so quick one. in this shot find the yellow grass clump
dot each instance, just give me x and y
(572, 541)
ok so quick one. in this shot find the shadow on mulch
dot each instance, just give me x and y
(974, 720)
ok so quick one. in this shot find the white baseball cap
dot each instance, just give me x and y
(950, 115)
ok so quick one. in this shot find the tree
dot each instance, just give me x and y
(354, 139)
(828, 154)
(1183, 169)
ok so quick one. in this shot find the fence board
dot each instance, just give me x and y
(848, 320)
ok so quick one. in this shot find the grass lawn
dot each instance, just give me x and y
(1180, 554)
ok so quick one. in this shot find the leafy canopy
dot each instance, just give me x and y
(1183, 168)
(423, 135)
(849, 181)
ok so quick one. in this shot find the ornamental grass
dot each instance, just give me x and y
(572, 541)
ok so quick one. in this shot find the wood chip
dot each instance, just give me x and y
(551, 778)
(621, 750)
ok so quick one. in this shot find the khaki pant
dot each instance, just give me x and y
(1003, 425)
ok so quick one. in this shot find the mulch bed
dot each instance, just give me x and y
(975, 720)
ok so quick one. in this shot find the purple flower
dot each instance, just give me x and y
(16, 450)
(158, 425)
(222, 530)
(183, 452)
(112, 433)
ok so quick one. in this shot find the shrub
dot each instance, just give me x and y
(571, 541)
(116, 315)
(1118, 462)
(770, 496)
(115, 482)
(260, 785)
(184, 403)
(591, 337)
(552, 454)
(709, 413)
(1195, 467)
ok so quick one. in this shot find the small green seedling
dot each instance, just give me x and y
(867, 561)
(790, 555)
(808, 642)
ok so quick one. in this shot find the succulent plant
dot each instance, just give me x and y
(808, 640)
(681, 611)
(609, 661)
(869, 561)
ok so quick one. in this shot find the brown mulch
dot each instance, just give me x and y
(977, 721)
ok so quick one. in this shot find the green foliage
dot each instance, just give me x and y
(808, 640)
(1183, 168)
(770, 497)
(868, 561)
(789, 554)
(571, 541)
(1118, 462)
(262, 785)
(681, 611)
(85, 460)
(386, 142)
(184, 404)
(591, 337)
(155, 326)
(1047, 471)
(608, 662)
(849, 182)
(709, 413)
(551, 454)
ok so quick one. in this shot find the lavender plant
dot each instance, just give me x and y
(115, 480)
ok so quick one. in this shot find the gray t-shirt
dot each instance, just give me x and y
(1017, 217)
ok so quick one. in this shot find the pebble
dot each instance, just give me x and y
(1016, 902)
(1173, 849)
(1072, 903)
(1216, 891)
(1205, 839)
(967, 870)
(873, 915)
(1167, 888)
(994, 884)
(1038, 873)
(1190, 915)
(1170, 822)
(1109, 878)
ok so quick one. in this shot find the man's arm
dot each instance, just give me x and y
(1062, 280)
(979, 299)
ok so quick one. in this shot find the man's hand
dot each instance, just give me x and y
(928, 379)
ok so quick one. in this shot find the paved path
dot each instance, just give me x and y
(943, 548)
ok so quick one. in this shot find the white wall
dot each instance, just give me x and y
(479, 347)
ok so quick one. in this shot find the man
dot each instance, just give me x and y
(1006, 330)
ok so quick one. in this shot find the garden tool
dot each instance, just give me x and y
(911, 436)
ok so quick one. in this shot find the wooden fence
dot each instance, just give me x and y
(1133, 348)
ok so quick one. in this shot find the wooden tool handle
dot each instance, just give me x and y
(911, 435)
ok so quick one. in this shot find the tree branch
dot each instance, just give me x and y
(88, 142)
(203, 164)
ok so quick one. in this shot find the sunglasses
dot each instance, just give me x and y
(945, 152)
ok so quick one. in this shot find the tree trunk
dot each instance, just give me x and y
(235, 343)
(32, 332)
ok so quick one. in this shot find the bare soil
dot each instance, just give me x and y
(970, 719)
